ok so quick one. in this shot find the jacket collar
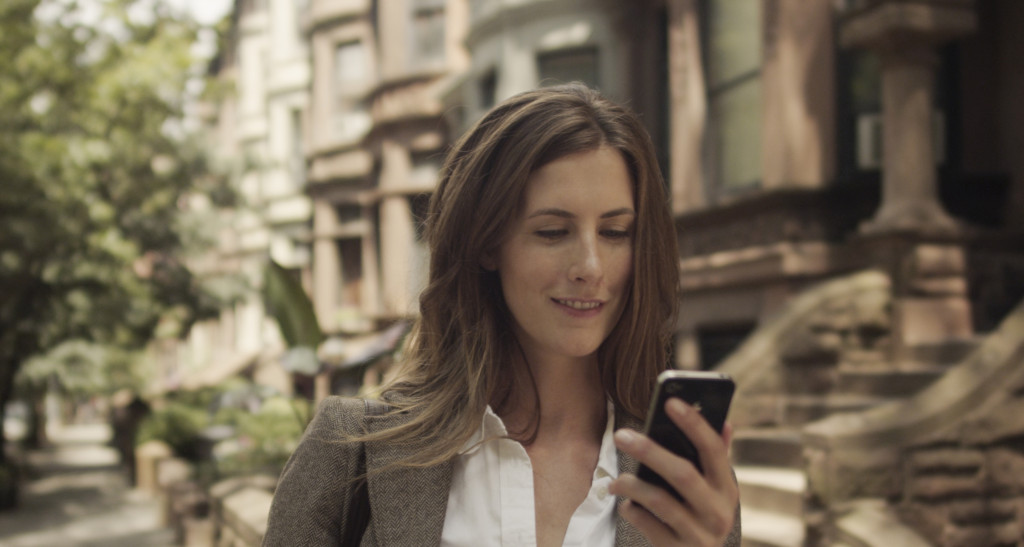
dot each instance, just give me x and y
(411, 500)
(390, 491)
(625, 533)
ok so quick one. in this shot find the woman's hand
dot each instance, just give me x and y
(707, 517)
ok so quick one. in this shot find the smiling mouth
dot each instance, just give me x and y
(581, 305)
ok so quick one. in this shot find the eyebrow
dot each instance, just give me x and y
(566, 214)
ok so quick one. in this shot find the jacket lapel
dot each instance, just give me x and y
(412, 501)
(626, 535)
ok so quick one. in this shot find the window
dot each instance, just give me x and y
(860, 128)
(301, 11)
(350, 252)
(250, 7)
(351, 72)
(350, 66)
(297, 161)
(487, 88)
(427, 37)
(424, 170)
(419, 254)
(568, 65)
(348, 213)
(419, 205)
(717, 342)
(732, 50)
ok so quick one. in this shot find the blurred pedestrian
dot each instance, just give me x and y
(127, 412)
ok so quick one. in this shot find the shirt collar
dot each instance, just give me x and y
(491, 427)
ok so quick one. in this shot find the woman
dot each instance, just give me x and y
(547, 317)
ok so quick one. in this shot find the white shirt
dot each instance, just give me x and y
(490, 503)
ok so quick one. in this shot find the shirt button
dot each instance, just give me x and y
(602, 493)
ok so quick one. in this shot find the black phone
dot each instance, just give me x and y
(708, 392)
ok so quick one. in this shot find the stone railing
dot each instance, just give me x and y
(231, 513)
(813, 331)
(239, 508)
(952, 455)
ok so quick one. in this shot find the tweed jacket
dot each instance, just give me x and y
(407, 506)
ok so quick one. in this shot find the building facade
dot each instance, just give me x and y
(253, 121)
(847, 186)
(377, 140)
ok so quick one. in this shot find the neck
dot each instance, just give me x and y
(571, 398)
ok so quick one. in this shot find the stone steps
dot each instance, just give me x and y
(946, 353)
(887, 383)
(802, 409)
(769, 460)
(772, 489)
(872, 523)
(767, 529)
(776, 447)
(772, 500)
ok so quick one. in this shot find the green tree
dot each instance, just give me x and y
(95, 169)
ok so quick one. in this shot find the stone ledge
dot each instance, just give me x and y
(872, 522)
(885, 21)
(245, 512)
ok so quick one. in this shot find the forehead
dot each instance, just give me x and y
(591, 178)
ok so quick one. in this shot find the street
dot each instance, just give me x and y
(77, 495)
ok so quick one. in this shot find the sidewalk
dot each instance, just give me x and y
(78, 496)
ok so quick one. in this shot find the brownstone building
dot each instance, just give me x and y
(848, 183)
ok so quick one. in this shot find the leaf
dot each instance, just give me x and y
(285, 299)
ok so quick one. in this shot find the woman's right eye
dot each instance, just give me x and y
(551, 234)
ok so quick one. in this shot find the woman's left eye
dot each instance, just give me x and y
(615, 234)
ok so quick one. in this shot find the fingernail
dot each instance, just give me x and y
(626, 436)
(676, 406)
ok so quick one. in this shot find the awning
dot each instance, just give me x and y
(362, 351)
(219, 370)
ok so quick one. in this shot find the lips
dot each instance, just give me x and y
(579, 305)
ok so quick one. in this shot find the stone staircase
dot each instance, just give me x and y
(769, 459)
(825, 354)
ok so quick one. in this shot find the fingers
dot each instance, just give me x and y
(707, 516)
(677, 471)
(659, 532)
(713, 450)
(659, 516)
(648, 525)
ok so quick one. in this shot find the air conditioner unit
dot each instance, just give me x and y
(870, 147)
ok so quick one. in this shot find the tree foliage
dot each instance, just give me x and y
(95, 170)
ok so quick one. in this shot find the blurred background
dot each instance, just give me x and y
(211, 218)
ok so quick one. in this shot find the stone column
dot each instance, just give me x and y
(326, 264)
(911, 235)
(905, 36)
(689, 107)
(798, 95)
(370, 288)
(397, 231)
(910, 199)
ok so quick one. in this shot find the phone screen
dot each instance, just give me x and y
(710, 393)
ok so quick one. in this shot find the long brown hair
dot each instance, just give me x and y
(460, 354)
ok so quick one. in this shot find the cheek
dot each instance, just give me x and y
(623, 270)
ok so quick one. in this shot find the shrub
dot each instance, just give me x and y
(179, 425)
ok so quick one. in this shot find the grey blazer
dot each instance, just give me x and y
(407, 505)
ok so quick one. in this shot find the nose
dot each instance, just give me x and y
(586, 264)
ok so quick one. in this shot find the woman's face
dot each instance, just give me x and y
(567, 260)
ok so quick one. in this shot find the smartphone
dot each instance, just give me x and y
(708, 392)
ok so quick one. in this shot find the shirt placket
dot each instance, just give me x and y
(518, 526)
